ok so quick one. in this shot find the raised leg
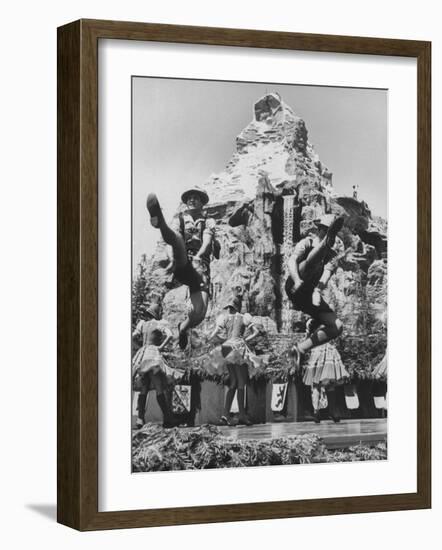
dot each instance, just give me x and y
(171, 237)
(320, 251)
(317, 255)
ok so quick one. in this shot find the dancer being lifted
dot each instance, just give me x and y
(190, 236)
(311, 266)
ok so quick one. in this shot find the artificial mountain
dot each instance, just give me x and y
(265, 200)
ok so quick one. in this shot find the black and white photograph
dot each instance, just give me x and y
(259, 274)
(220, 227)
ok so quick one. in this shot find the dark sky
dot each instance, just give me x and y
(185, 130)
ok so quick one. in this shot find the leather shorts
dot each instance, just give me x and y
(197, 279)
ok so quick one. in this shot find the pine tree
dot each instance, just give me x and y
(139, 288)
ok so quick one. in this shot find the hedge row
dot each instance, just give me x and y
(155, 448)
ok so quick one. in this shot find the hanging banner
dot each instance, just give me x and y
(351, 397)
(379, 401)
(181, 399)
(279, 393)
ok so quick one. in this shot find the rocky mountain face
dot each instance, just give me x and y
(265, 200)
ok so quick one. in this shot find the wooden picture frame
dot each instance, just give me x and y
(77, 224)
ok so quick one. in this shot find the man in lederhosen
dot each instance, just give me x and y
(310, 267)
(190, 236)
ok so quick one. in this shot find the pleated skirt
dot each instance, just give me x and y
(325, 367)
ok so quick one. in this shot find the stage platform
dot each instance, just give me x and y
(344, 434)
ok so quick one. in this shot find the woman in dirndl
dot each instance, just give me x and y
(324, 370)
(234, 357)
(149, 368)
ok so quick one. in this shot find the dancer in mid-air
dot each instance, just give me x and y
(149, 368)
(191, 237)
(310, 268)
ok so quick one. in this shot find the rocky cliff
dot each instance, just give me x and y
(265, 200)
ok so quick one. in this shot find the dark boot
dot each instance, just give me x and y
(332, 410)
(154, 209)
(168, 419)
(316, 417)
(242, 418)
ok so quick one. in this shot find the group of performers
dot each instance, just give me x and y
(191, 243)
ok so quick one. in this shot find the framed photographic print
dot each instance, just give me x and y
(243, 275)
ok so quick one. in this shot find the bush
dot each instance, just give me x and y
(155, 448)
